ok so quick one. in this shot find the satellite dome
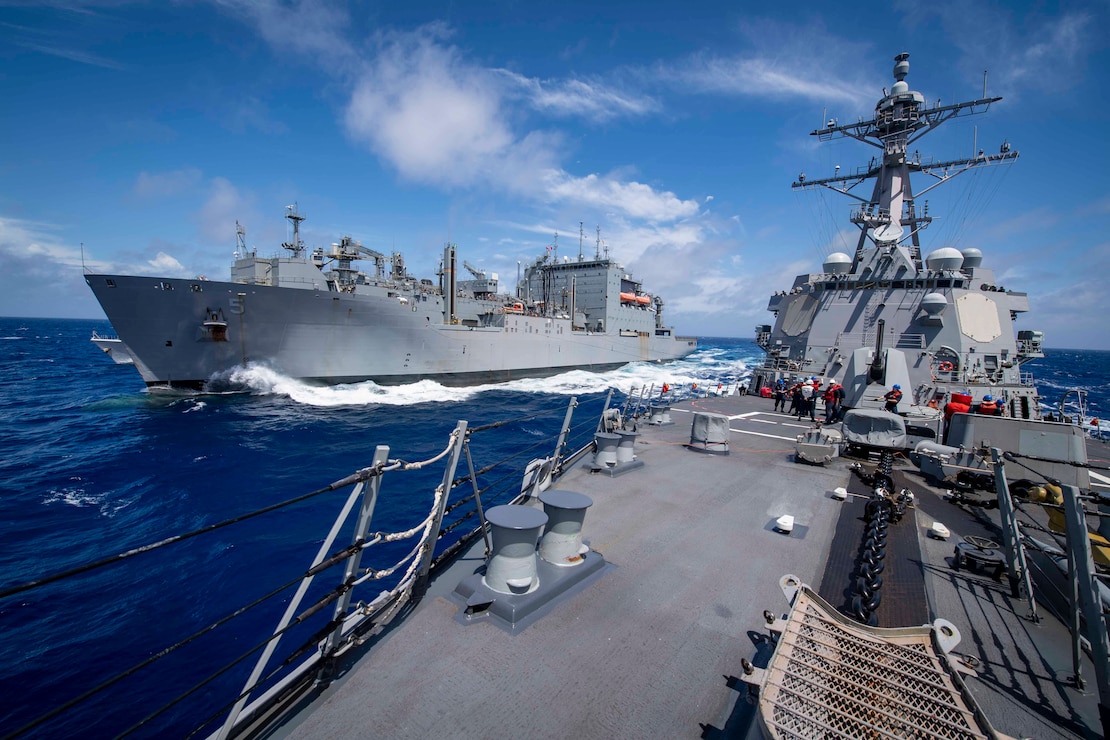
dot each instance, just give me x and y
(901, 87)
(945, 258)
(934, 304)
(837, 263)
(972, 257)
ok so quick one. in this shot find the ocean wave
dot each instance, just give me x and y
(705, 367)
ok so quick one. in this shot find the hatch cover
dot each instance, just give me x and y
(832, 677)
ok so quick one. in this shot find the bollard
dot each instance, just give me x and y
(660, 414)
(512, 562)
(606, 455)
(626, 448)
(709, 433)
(562, 538)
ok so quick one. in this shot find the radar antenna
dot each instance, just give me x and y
(890, 215)
(296, 246)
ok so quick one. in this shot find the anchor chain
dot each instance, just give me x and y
(883, 509)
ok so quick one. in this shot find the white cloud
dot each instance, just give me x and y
(164, 264)
(443, 121)
(591, 100)
(165, 184)
(308, 27)
(771, 78)
(72, 54)
(425, 111)
(1045, 52)
(632, 199)
(37, 247)
(224, 206)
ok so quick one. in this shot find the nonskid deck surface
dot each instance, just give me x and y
(652, 648)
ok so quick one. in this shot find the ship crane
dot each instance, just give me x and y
(478, 274)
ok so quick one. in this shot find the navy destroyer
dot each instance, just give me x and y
(315, 316)
(937, 325)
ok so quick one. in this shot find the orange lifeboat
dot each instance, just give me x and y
(643, 300)
(628, 297)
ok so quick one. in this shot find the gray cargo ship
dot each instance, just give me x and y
(315, 316)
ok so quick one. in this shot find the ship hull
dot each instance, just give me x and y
(189, 333)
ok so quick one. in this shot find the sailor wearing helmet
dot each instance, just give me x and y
(893, 396)
(988, 405)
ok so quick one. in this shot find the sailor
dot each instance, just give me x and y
(833, 395)
(893, 396)
(988, 406)
(809, 400)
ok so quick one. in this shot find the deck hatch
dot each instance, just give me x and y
(832, 677)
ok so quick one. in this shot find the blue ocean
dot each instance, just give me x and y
(93, 464)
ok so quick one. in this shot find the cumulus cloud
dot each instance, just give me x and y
(632, 199)
(429, 114)
(440, 120)
(164, 264)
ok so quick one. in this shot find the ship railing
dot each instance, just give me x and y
(324, 626)
(783, 364)
(641, 399)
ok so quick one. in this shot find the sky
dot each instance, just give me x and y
(133, 136)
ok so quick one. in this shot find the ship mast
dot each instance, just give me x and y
(890, 216)
(296, 246)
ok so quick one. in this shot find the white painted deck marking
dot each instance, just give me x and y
(761, 434)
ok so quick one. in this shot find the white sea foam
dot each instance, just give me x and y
(707, 368)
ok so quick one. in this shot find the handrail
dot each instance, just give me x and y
(349, 619)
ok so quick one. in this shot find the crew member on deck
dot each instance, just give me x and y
(988, 406)
(893, 396)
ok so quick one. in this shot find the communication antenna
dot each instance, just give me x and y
(240, 240)
(597, 252)
(580, 235)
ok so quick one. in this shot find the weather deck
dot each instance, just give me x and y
(653, 646)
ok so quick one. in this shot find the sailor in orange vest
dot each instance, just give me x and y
(988, 406)
(893, 396)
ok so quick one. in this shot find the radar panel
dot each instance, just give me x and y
(978, 316)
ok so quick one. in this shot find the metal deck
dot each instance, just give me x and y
(652, 648)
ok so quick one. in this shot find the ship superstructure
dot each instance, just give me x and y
(937, 324)
(316, 316)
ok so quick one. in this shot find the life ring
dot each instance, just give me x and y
(946, 367)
